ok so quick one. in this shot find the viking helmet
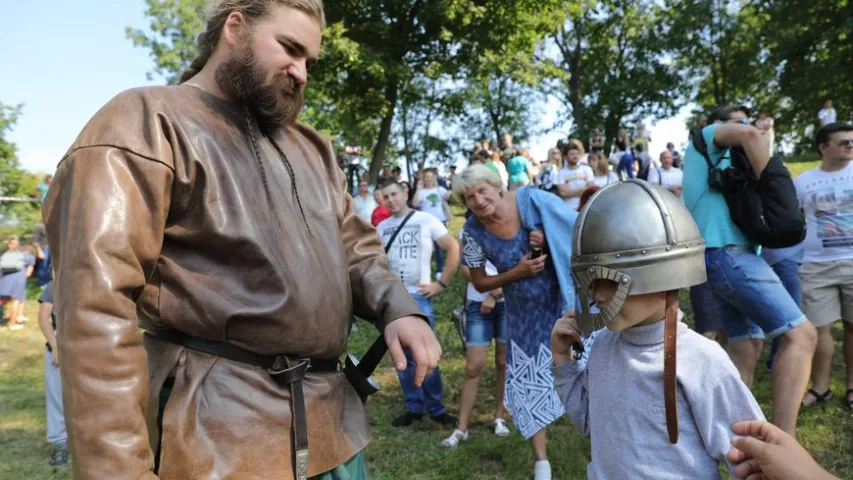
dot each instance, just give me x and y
(638, 235)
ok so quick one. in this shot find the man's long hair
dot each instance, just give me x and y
(252, 10)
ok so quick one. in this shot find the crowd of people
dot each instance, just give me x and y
(574, 268)
(792, 296)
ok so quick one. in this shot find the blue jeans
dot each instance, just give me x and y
(439, 255)
(754, 300)
(481, 327)
(787, 272)
(427, 397)
(626, 164)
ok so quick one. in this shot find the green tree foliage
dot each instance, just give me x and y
(423, 78)
(171, 37)
(609, 65)
(810, 46)
(15, 217)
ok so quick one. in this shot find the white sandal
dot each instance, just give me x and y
(501, 430)
(454, 439)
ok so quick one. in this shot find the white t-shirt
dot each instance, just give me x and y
(666, 178)
(473, 295)
(827, 199)
(410, 254)
(605, 180)
(576, 177)
(826, 116)
(432, 201)
(364, 207)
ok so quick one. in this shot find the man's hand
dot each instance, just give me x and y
(537, 239)
(430, 290)
(488, 304)
(54, 354)
(564, 334)
(766, 452)
(415, 334)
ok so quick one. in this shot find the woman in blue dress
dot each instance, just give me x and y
(16, 266)
(532, 292)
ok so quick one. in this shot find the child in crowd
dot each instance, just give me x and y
(650, 419)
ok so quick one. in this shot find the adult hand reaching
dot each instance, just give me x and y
(415, 334)
(530, 267)
(765, 452)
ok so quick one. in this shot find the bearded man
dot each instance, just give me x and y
(206, 215)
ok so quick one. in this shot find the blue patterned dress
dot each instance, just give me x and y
(533, 305)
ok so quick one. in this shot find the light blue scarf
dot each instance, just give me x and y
(547, 212)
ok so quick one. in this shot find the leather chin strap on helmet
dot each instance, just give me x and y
(670, 383)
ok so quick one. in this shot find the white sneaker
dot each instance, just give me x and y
(454, 439)
(501, 429)
(542, 470)
(17, 326)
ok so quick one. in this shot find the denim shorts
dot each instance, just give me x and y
(754, 302)
(480, 328)
(707, 310)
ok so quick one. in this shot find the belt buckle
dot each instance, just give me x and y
(283, 364)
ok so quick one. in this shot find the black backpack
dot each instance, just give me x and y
(765, 209)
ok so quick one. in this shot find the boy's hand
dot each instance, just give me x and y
(564, 334)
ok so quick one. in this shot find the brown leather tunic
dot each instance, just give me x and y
(161, 216)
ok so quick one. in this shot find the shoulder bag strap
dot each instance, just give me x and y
(397, 232)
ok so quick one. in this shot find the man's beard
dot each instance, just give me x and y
(273, 104)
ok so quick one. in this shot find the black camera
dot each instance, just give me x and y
(728, 180)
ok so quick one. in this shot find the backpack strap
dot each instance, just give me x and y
(702, 147)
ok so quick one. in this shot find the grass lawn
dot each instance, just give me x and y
(412, 453)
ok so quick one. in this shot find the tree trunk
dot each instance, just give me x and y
(406, 134)
(381, 148)
(575, 94)
(611, 128)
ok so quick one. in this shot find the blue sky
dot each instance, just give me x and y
(65, 59)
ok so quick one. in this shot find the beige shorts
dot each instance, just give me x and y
(827, 291)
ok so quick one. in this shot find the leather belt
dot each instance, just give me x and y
(670, 383)
(286, 370)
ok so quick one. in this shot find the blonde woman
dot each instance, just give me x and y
(601, 169)
(500, 232)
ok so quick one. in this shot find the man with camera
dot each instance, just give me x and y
(754, 302)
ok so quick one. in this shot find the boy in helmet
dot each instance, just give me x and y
(664, 396)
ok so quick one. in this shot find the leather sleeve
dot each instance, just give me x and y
(377, 294)
(105, 216)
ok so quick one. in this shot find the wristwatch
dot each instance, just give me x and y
(442, 284)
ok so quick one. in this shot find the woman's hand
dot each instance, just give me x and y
(537, 239)
(564, 334)
(530, 267)
(488, 305)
